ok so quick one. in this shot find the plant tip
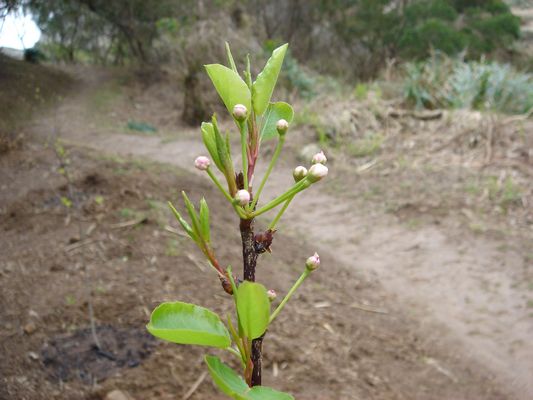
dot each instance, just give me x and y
(202, 163)
(317, 172)
(299, 173)
(242, 197)
(240, 112)
(319, 158)
(271, 293)
(282, 126)
(313, 262)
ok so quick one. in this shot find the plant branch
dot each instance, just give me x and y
(244, 146)
(249, 256)
(298, 187)
(240, 212)
(275, 157)
(300, 280)
(274, 222)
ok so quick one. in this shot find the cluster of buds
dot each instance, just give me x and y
(317, 171)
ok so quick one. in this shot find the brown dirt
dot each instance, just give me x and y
(414, 300)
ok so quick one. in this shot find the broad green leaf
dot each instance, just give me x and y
(204, 220)
(183, 223)
(208, 136)
(225, 378)
(230, 59)
(230, 86)
(264, 393)
(253, 309)
(186, 323)
(273, 114)
(265, 82)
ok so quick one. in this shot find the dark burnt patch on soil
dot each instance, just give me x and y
(77, 357)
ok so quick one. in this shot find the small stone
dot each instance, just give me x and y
(29, 328)
(33, 355)
(117, 395)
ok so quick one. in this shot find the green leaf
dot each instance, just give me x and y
(208, 136)
(230, 59)
(193, 215)
(264, 393)
(186, 227)
(186, 323)
(222, 152)
(253, 309)
(265, 82)
(204, 221)
(230, 86)
(225, 378)
(234, 386)
(274, 113)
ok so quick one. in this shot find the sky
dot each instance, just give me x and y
(17, 26)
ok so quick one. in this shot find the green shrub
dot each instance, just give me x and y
(443, 82)
(451, 26)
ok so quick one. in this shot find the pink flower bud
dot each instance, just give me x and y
(317, 172)
(242, 197)
(319, 158)
(313, 262)
(299, 173)
(202, 163)
(282, 126)
(271, 294)
(240, 112)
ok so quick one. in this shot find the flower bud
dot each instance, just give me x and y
(202, 163)
(317, 172)
(271, 294)
(313, 262)
(242, 197)
(319, 158)
(282, 127)
(240, 112)
(299, 173)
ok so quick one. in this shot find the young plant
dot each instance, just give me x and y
(257, 119)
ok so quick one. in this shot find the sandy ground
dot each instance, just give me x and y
(465, 292)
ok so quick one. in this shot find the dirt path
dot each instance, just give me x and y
(461, 287)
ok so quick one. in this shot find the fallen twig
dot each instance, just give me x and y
(368, 309)
(195, 386)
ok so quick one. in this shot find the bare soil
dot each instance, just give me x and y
(424, 291)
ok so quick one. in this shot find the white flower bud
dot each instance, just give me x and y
(242, 197)
(271, 294)
(202, 163)
(282, 127)
(319, 158)
(299, 173)
(240, 112)
(317, 172)
(313, 262)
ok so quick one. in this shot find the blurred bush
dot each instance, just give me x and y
(442, 82)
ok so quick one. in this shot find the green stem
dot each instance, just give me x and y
(244, 143)
(280, 213)
(298, 187)
(237, 354)
(237, 209)
(300, 280)
(277, 152)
